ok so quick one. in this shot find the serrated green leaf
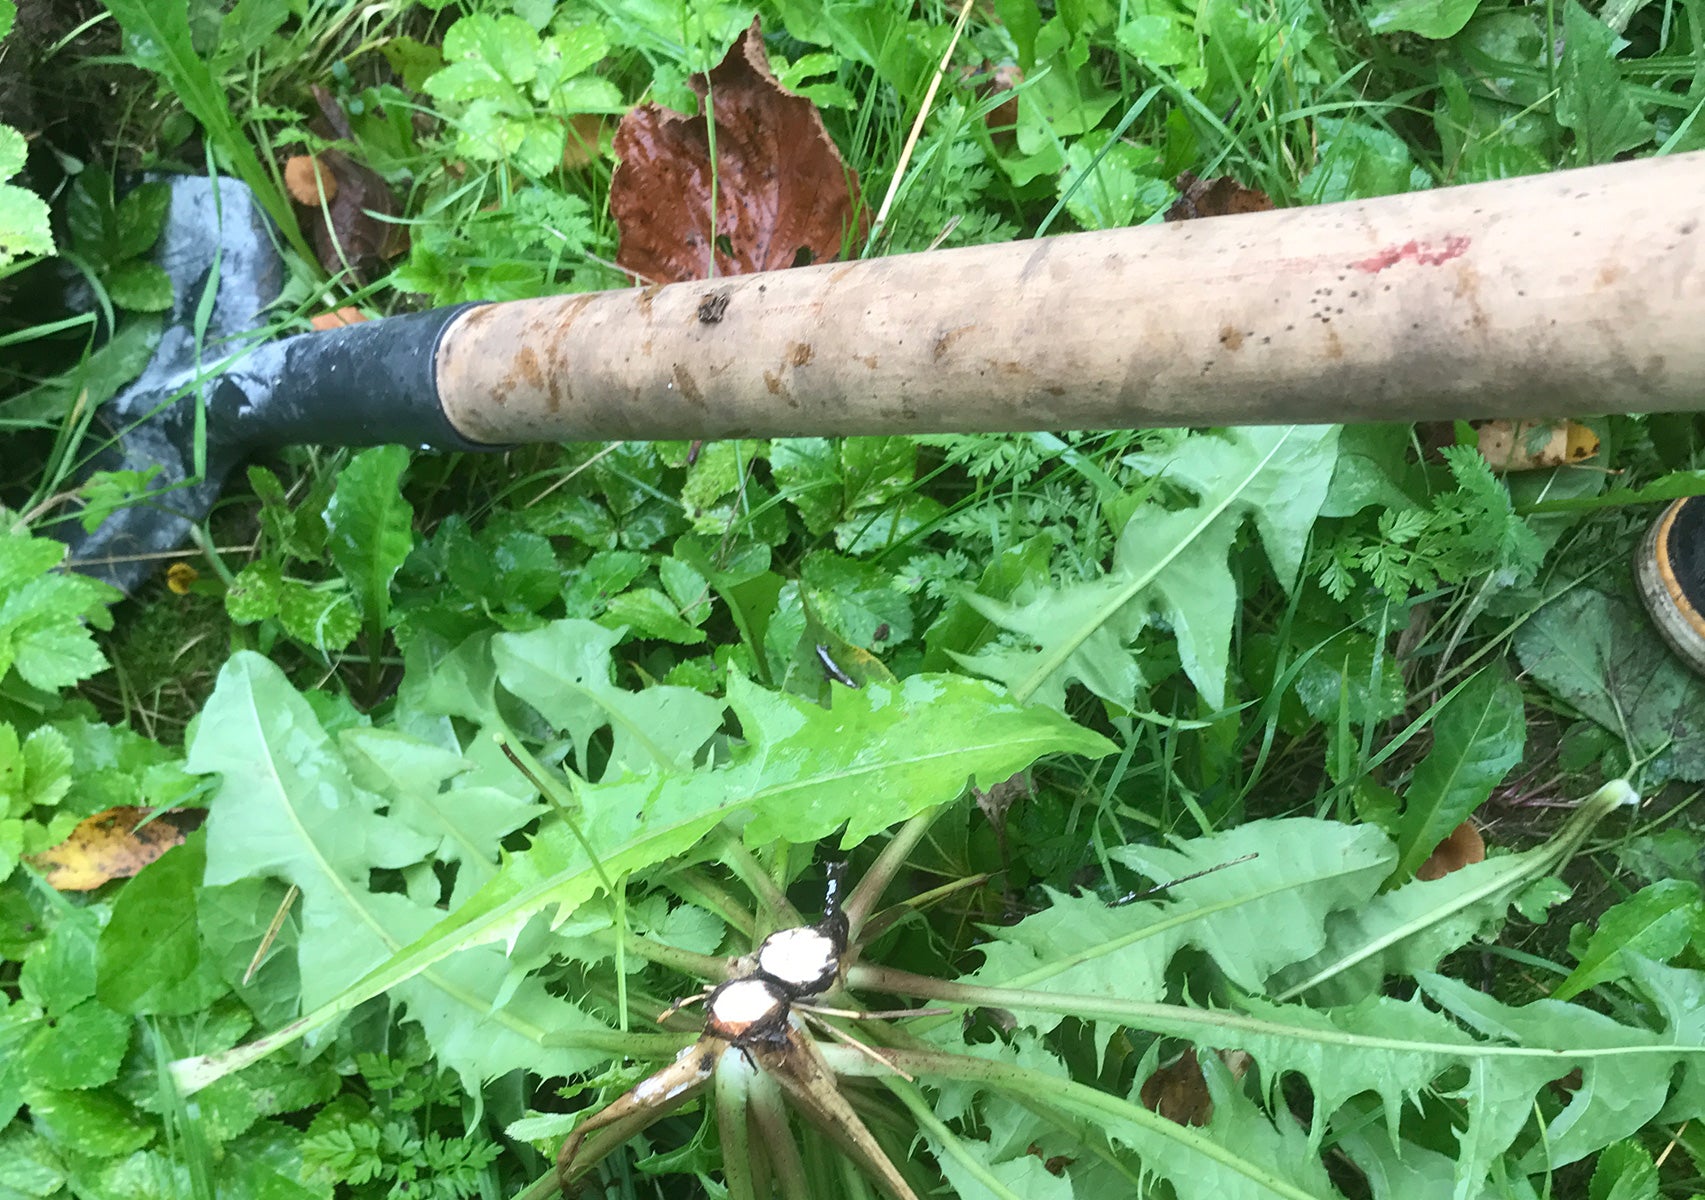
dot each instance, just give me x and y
(324, 617)
(649, 613)
(1624, 1171)
(506, 44)
(1253, 919)
(369, 526)
(287, 807)
(79, 1049)
(96, 1124)
(255, 593)
(61, 973)
(140, 286)
(140, 217)
(144, 1175)
(881, 754)
(1357, 160)
(417, 779)
(1171, 564)
(28, 1165)
(1619, 1092)
(1409, 929)
(1593, 100)
(565, 672)
(855, 599)
(25, 221)
(1657, 921)
(1478, 736)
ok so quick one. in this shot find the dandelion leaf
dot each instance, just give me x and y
(1169, 568)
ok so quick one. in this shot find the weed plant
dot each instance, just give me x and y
(503, 754)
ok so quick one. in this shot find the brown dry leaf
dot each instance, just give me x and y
(1219, 197)
(1179, 1091)
(1464, 845)
(351, 229)
(337, 318)
(1530, 445)
(783, 195)
(585, 140)
(306, 178)
(114, 844)
(991, 80)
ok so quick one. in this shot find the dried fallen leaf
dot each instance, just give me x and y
(1462, 846)
(990, 80)
(306, 179)
(350, 230)
(585, 138)
(1055, 1165)
(783, 196)
(1179, 1091)
(114, 844)
(337, 318)
(1530, 445)
(1219, 197)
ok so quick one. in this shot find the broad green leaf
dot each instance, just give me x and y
(1395, 1170)
(60, 973)
(1593, 99)
(881, 754)
(1595, 652)
(1357, 161)
(140, 217)
(1240, 1154)
(855, 600)
(44, 618)
(506, 44)
(1657, 921)
(28, 1164)
(148, 958)
(1111, 187)
(25, 224)
(1171, 564)
(649, 613)
(1430, 18)
(1478, 737)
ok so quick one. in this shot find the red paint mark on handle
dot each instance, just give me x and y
(1427, 254)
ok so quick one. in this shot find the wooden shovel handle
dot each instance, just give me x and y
(1572, 293)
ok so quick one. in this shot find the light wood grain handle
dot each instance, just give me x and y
(1572, 293)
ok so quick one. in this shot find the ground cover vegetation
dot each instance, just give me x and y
(502, 755)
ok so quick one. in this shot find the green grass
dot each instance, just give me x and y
(1369, 657)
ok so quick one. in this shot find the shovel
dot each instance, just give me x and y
(1573, 293)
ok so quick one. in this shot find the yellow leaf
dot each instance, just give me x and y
(114, 844)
